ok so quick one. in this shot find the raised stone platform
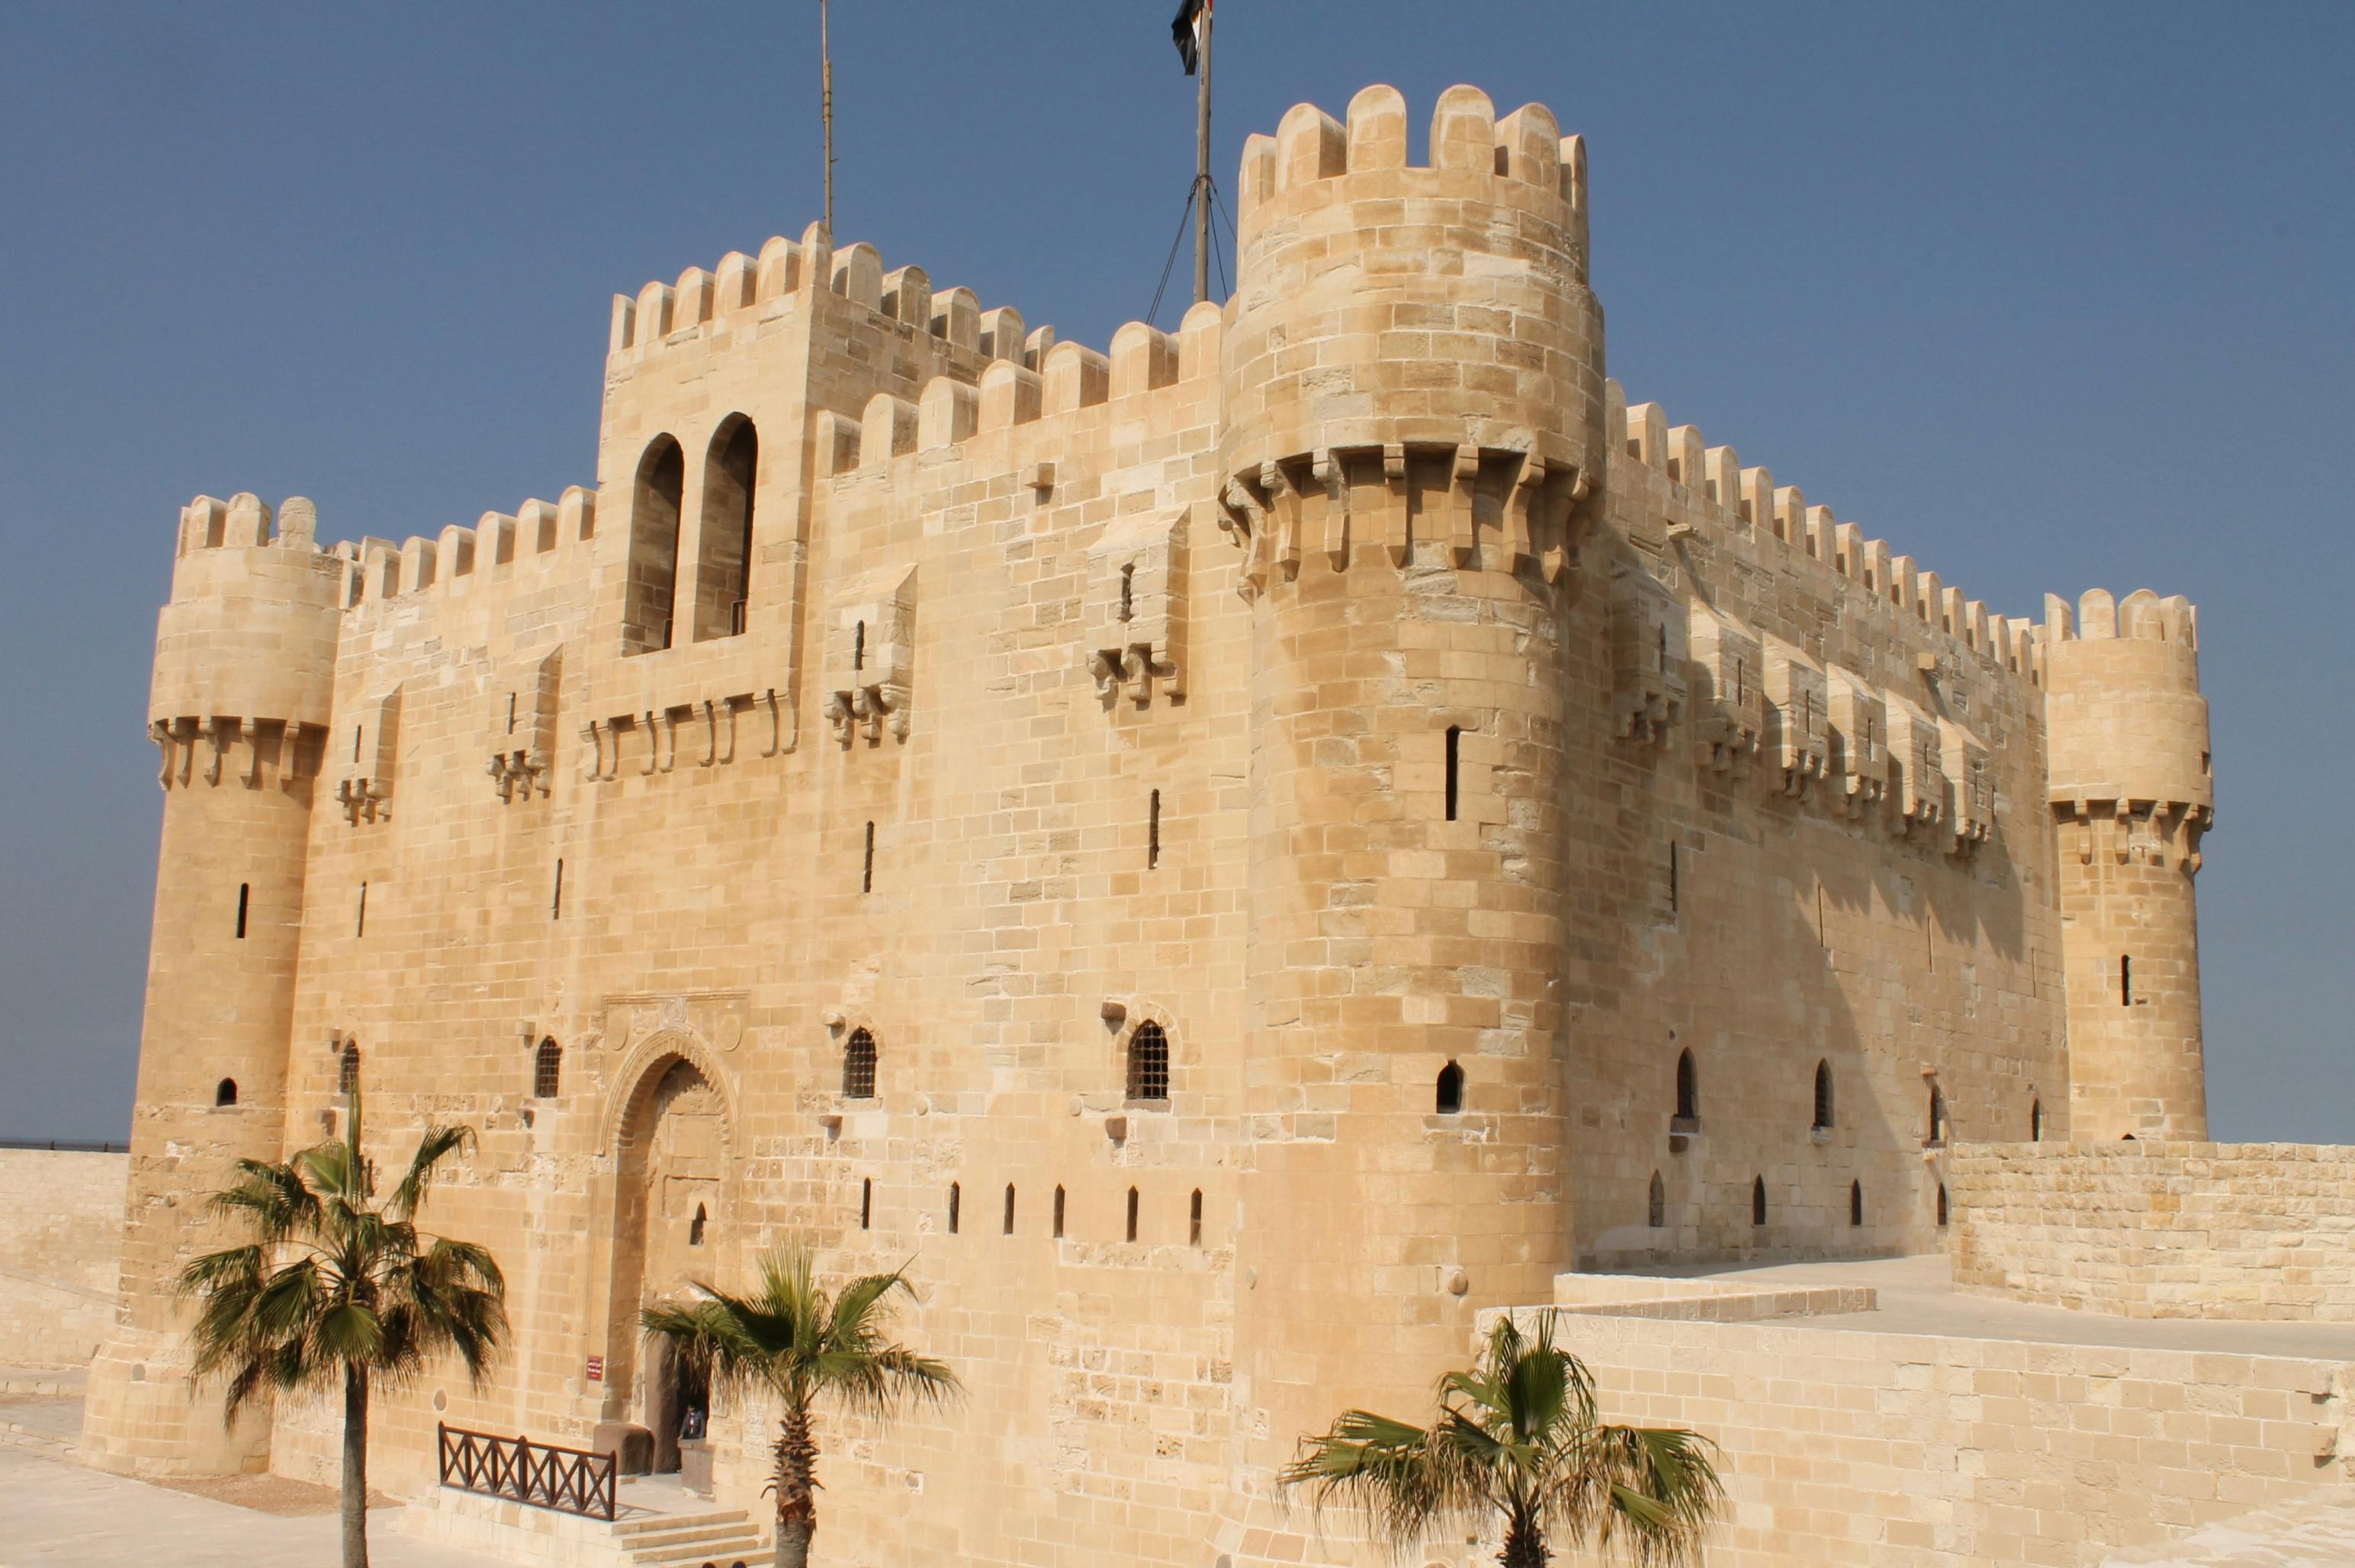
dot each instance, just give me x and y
(1935, 1427)
(658, 1524)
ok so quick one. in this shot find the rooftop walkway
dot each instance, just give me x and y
(1917, 1295)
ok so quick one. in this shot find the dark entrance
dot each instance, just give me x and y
(678, 1404)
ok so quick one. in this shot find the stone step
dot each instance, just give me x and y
(683, 1529)
(630, 1530)
(725, 1551)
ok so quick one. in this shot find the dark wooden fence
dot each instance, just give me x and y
(570, 1480)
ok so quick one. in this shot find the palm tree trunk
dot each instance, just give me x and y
(356, 1408)
(797, 1486)
(1525, 1545)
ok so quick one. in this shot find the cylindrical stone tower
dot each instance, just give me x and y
(1414, 397)
(245, 658)
(2131, 792)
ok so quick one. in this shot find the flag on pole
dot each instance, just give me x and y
(1193, 16)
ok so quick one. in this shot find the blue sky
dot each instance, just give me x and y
(2050, 296)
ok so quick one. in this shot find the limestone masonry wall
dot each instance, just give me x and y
(2151, 1229)
(1859, 1449)
(60, 1254)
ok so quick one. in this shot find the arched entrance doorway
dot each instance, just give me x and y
(668, 1221)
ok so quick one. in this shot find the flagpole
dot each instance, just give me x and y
(826, 65)
(1202, 168)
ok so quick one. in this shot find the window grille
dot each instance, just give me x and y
(859, 1066)
(1148, 1062)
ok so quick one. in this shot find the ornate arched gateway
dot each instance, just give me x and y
(670, 1128)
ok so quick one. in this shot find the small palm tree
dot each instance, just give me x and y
(1516, 1438)
(793, 1340)
(336, 1287)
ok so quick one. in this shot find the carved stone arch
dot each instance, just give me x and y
(665, 1164)
(635, 1079)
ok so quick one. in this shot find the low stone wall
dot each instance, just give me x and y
(60, 1254)
(1702, 1300)
(2249, 1232)
(1880, 1450)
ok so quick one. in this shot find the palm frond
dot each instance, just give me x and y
(437, 1145)
(1663, 1491)
(1394, 1474)
(332, 1280)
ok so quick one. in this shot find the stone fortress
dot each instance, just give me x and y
(1237, 855)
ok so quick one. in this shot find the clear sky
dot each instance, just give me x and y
(2049, 296)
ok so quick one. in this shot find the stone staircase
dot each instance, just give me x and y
(659, 1525)
(724, 1536)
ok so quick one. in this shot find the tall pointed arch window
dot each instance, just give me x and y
(652, 583)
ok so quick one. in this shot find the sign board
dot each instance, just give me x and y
(596, 1369)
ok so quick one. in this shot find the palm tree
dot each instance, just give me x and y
(336, 1287)
(1516, 1436)
(793, 1340)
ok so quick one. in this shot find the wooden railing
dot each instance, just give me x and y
(570, 1480)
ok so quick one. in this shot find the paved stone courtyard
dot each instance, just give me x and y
(53, 1510)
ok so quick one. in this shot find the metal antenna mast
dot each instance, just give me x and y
(1202, 170)
(826, 67)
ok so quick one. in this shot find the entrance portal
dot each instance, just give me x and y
(668, 1223)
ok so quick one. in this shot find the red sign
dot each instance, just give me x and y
(596, 1369)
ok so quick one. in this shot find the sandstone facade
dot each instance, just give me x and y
(1235, 853)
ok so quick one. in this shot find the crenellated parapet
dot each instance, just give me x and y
(1744, 505)
(2128, 727)
(245, 651)
(1413, 357)
(741, 288)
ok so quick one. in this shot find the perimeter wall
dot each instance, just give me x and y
(2252, 1232)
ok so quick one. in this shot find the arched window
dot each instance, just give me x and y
(1059, 1213)
(1937, 1133)
(694, 1228)
(2036, 1121)
(859, 1066)
(1942, 1204)
(1656, 1212)
(1148, 1063)
(1451, 1090)
(653, 580)
(956, 1197)
(1823, 1096)
(723, 574)
(1688, 1089)
(1757, 1199)
(1856, 1202)
(1131, 1213)
(547, 1070)
(347, 1069)
(1009, 1209)
(1194, 1219)
(225, 1091)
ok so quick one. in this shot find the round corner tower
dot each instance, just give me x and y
(245, 658)
(1413, 407)
(2132, 793)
